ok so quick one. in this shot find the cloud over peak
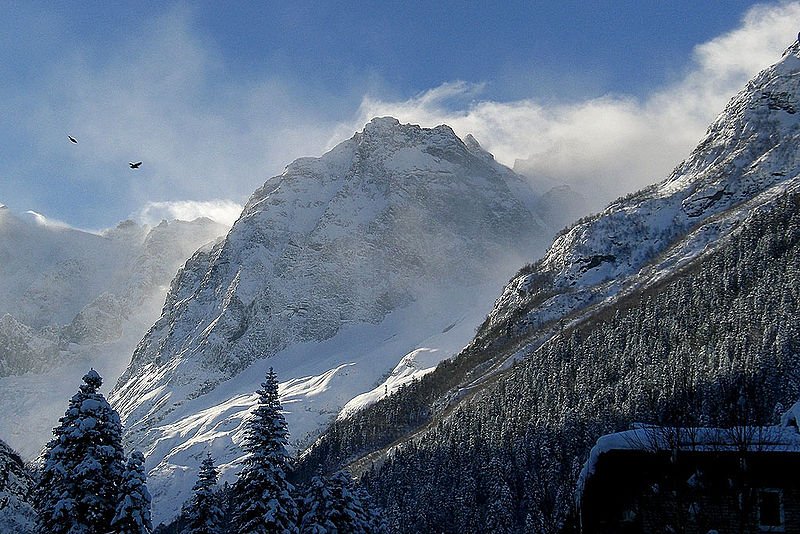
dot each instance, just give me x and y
(616, 143)
(222, 211)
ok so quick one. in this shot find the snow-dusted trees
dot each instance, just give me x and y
(715, 345)
(82, 466)
(133, 501)
(501, 506)
(262, 496)
(335, 505)
(203, 513)
(317, 507)
(16, 482)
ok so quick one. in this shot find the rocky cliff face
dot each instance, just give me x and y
(335, 270)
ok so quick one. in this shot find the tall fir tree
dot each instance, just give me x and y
(316, 508)
(82, 466)
(263, 500)
(335, 505)
(133, 504)
(203, 512)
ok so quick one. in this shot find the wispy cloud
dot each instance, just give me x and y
(222, 211)
(614, 144)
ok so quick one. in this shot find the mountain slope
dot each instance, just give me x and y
(715, 344)
(48, 273)
(734, 191)
(749, 149)
(336, 270)
(70, 300)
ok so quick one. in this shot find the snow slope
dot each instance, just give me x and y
(70, 300)
(389, 246)
(48, 273)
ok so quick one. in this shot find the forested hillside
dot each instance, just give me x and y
(715, 344)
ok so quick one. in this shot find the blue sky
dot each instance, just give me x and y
(215, 97)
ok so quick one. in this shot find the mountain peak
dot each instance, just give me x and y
(386, 130)
(390, 132)
(338, 268)
(379, 124)
(791, 55)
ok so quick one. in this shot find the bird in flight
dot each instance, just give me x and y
(72, 139)
(136, 165)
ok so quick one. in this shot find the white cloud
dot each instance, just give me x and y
(222, 211)
(615, 144)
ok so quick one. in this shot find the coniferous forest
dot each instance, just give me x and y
(715, 345)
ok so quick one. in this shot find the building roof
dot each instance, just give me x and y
(780, 438)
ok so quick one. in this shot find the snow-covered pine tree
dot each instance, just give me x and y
(316, 508)
(133, 504)
(82, 466)
(336, 505)
(262, 495)
(373, 515)
(203, 512)
(500, 508)
(351, 512)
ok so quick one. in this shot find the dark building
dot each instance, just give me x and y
(664, 480)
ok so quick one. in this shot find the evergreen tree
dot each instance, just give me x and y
(82, 466)
(263, 500)
(335, 505)
(373, 516)
(316, 508)
(203, 512)
(133, 507)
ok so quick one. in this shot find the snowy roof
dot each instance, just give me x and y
(781, 438)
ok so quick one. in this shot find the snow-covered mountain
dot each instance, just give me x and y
(748, 156)
(388, 246)
(678, 302)
(48, 272)
(16, 511)
(70, 300)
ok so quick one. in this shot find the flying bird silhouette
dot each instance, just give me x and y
(135, 165)
(72, 139)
